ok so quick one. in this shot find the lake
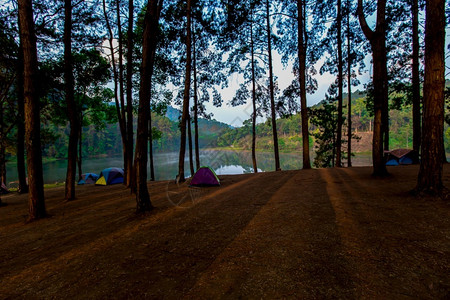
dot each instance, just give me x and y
(224, 162)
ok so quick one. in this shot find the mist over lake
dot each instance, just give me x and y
(224, 162)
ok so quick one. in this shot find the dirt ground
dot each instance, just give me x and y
(308, 234)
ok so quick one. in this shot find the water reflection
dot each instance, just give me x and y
(166, 164)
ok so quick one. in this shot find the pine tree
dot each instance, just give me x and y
(32, 114)
(431, 166)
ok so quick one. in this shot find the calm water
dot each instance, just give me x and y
(166, 164)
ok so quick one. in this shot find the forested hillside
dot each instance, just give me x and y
(289, 129)
(105, 140)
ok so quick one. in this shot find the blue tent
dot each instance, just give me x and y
(110, 176)
(401, 157)
(392, 162)
(88, 178)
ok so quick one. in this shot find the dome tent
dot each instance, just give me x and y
(88, 178)
(110, 176)
(205, 176)
(401, 157)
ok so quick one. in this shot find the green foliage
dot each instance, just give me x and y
(324, 118)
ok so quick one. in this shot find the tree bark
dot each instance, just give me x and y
(377, 41)
(197, 148)
(340, 86)
(302, 46)
(191, 158)
(150, 143)
(2, 149)
(148, 57)
(271, 90)
(349, 103)
(80, 148)
(187, 85)
(21, 172)
(32, 113)
(255, 167)
(125, 140)
(417, 134)
(71, 105)
(119, 108)
(430, 174)
(130, 133)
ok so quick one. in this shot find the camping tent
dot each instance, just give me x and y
(3, 189)
(88, 178)
(401, 157)
(110, 176)
(205, 176)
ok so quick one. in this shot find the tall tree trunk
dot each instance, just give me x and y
(302, 46)
(21, 173)
(377, 41)
(340, 86)
(430, 174)
(71, 105)
(271, 88)
(417, 135)
(150, 142)
(32, 113)
(129, 129)
(80, 148)
(349, 103)
(197, 148)
(187, 85)
(2, 154)
(125, 145)
(119, 108)
(252, 47)
(2, 149)
(148, 58)
(191, 158)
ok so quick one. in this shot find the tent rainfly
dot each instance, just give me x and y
(110, 176)
(401, 157)
(88, 178)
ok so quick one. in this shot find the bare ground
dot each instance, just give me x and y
(322, 233)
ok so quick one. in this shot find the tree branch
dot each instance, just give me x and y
(369, 33)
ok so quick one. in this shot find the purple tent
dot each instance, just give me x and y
(205, 176)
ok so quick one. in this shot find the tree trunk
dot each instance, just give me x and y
(340, 85)
(417, 135)
(377, 41)
(70, 100)
(119, 108)
(2, 149)
(150, 142)
(271, 88)
(430, 174)
(302, 78)
(197, 148)
(191, 158)
(21, 172)
(187, 85)
(80, 149)
(129, 129)
(255, 167)
(125, 140)
(349, 104)
(32, 113)
(148, 57)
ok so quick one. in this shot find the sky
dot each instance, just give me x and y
(235, 116)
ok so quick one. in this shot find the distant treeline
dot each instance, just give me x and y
(107, 141)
